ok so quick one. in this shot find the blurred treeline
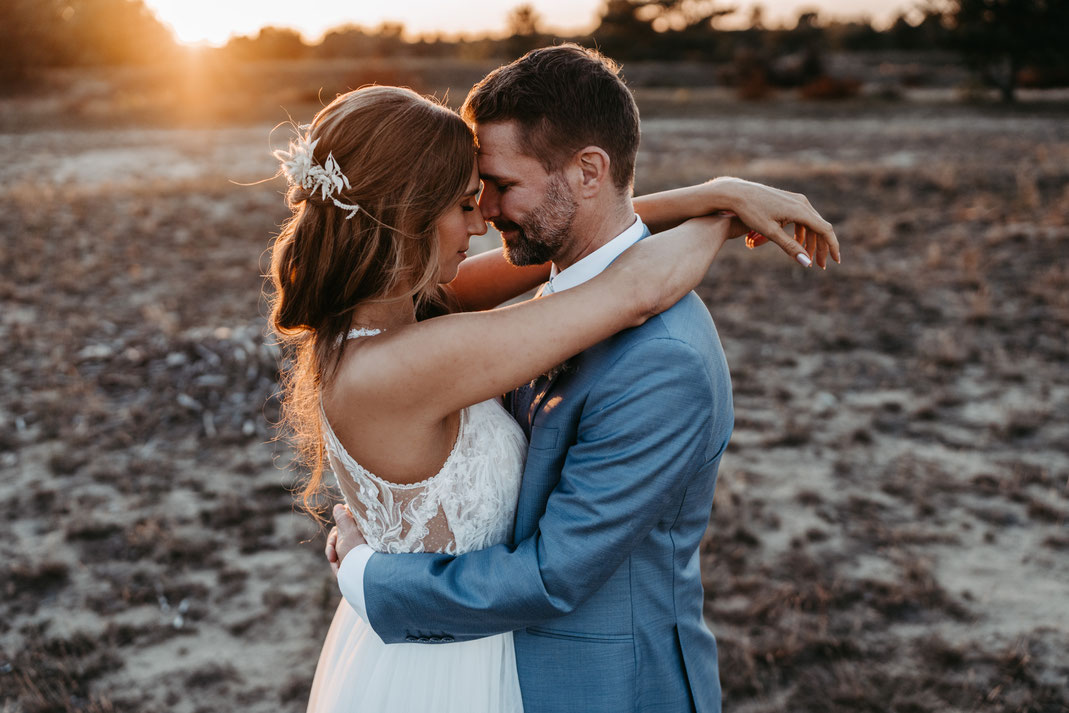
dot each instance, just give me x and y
(1006, 43)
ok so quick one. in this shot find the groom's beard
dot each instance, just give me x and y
(542, 232)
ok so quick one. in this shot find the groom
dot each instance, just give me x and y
(602, 584)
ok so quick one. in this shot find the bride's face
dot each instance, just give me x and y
(456, 226)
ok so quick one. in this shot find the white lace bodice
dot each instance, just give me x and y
(468, 505)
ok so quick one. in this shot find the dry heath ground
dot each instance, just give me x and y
(889, 532)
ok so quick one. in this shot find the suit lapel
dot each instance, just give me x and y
(527, 397)
(541, 388)
(519, 404)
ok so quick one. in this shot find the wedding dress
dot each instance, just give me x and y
(468, 505)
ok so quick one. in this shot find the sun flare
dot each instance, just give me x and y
(200, 23)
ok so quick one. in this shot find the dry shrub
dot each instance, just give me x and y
(132, 332)
(50, 675)
(752, 85)
(830, 88)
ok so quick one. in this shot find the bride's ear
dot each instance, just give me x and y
(593, 164)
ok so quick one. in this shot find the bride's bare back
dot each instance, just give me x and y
(468, 504)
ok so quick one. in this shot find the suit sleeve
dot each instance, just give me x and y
(644, 431)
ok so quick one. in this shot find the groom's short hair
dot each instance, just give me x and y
(564, 98)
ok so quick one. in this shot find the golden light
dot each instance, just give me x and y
(215, 21)
(200, 22)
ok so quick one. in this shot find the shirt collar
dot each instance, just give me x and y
(595, 262)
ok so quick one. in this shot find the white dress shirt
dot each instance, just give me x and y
(594, 263)
(351, 573)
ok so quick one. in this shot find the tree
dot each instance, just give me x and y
(347, 41)
(522, 25)
(621, 34)
(25, 38)
(658, 29)
(48, 33)
(680, 15)
(115, 32)
(389, 39)
(522, 21)
(280, 43)
(757, 17)
(999, 38)
(269, 44)
(620, 17)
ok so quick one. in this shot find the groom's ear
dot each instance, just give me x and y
(593, 170)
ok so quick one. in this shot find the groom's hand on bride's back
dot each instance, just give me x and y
(342, 538)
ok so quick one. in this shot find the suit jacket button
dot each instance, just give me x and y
(448, 639)
(435, 639)
(411, 638)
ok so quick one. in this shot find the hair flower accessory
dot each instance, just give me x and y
(300, 168)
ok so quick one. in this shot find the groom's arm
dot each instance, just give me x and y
(644, 432)
(486, 280)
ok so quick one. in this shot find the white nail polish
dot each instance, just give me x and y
(804, 259)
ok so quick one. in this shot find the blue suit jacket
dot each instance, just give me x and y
(601, 583)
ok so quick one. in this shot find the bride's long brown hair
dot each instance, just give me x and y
(407, 159)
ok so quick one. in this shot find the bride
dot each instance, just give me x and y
(398, 362)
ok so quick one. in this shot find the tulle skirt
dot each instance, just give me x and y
(358, 673)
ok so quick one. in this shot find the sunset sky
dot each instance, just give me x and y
(212, 21)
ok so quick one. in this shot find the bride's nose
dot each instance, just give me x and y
(476, 223)
(489, 202)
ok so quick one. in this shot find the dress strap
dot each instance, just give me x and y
(356, 334)
(362, 332)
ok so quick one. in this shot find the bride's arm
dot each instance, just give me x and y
(433, 368)
(487, 280)
(761, 208)
(667, 209)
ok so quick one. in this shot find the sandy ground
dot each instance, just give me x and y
(890, 525)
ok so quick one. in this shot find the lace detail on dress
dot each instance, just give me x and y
(469, 504)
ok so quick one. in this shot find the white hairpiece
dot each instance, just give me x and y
(300, 168)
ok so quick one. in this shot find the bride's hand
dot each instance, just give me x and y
(342, 538)
(738, 229)
(766, 210)
(331, 550)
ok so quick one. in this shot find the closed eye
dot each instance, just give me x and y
(470, 199)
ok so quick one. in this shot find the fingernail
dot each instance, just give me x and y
(803, 259)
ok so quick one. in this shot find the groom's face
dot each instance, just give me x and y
(533, 209)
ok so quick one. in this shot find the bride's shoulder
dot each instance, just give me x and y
(360, 357)
(370, 369)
